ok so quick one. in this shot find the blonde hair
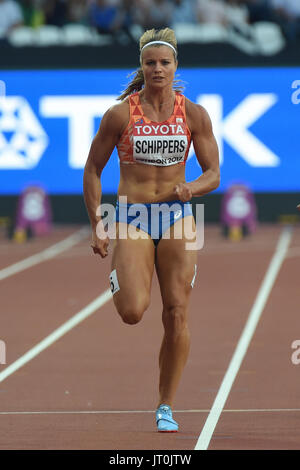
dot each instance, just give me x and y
(137, 83)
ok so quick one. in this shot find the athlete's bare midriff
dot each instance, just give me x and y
(147, 183)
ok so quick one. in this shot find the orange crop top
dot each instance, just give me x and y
(155, 143)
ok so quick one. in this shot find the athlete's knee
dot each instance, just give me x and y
(132, 312)
(131, 317)
(175, 318)
(130, 306)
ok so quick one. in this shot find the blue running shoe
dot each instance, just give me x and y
(164, 420)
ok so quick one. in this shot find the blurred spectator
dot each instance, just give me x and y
(211, 11)
(33, 14)
(259, 10)
(114, 3)
(289, 8)
(287, 14)
(154, 13)
(10, 17)
(55, 12)
(77, 11)
(112, 17)
(104, 16)
(237, 13)
(128, 17)
(184, 11)
(118, 17)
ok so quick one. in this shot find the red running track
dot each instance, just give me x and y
(96, 386)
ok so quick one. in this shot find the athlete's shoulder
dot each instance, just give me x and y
(117, 110)
(197, 116)
(117, 116)
(195, 109)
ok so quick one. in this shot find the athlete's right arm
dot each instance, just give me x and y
(103, 144)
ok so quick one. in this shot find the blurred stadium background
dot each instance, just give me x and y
(64, 62)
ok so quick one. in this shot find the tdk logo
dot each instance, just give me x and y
(23, 140)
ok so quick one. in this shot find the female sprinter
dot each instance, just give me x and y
(153, 127)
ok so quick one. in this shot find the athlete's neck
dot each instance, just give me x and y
(158, 100)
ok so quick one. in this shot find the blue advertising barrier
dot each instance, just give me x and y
(48, 119)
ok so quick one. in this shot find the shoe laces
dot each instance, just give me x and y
(165, 409)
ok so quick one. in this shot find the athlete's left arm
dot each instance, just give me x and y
(206, 151)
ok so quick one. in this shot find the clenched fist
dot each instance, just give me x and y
(100, 244)
(183, 191)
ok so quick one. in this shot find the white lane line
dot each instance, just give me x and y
(44, 255)
(56, 334)
(107, 412)
(245, 339)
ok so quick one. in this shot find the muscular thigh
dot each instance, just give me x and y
(175, 266)
(133, 261)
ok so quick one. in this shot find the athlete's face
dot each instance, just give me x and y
(159, 66)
